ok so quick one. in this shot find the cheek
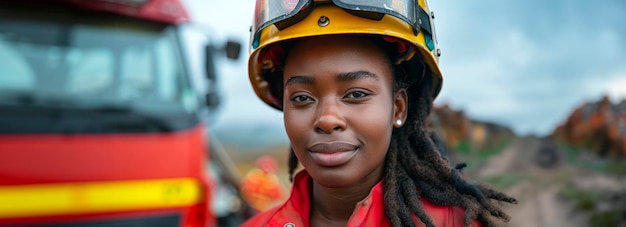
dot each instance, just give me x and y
(374, 125)
(296, 124)
(373, 122)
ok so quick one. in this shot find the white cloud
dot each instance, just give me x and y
(615, 85)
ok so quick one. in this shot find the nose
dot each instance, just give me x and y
(330, 118)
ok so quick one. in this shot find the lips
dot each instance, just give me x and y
(332, 154)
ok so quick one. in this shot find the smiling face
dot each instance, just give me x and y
(340, 108)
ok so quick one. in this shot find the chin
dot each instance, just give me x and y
(334, 178)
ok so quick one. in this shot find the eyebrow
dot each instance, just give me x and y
(300, 80)
(356, 75)
(342, 77)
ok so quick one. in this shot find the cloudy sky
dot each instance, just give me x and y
(522, 63)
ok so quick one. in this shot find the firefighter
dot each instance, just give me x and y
(356, 81)
(260, 187)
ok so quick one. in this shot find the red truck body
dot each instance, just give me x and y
(100, 121)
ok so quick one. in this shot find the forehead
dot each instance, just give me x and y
(337, 54)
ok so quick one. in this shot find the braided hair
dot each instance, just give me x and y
(414, 167)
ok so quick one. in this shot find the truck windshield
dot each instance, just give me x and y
(57, 64)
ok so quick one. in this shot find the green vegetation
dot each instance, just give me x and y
(493, 150)
(583, 200)
(615, 167)
(476, 157)
(586, 201)
(463, 147)
(570, 151)
(611, 167)
(503, 181)
(609, 218)
(605, 165)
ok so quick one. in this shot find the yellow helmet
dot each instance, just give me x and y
(409, 23)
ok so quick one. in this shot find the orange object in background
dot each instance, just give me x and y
(599, 126)
(261, 187)
(101, 119)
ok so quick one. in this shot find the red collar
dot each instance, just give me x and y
(369, 212)
(296, 211)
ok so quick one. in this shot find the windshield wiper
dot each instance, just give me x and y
(33, 116)
(132, 120)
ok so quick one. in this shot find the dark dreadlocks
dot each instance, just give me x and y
(414, 167)
(413, 161)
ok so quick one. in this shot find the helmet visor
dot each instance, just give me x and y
(284, 13)
(268, 12)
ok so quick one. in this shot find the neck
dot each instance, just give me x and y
(334, 206)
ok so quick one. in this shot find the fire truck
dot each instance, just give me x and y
(103, 116)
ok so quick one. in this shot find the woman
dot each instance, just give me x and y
(356, 81)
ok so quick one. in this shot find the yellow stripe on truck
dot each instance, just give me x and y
(83, 198)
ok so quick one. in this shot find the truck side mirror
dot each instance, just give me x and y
(212, 99)
(232, 49)
(209, 64)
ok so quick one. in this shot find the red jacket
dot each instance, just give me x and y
(369, 212)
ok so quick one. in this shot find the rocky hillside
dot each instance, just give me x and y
(597, 126)
(460, 132)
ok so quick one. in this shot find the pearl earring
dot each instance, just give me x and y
(399, 122)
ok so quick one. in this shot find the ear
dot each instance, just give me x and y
(400, 108)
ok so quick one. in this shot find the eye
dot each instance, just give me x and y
(301, 99)
(357, 95)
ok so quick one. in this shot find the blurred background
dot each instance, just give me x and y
(533, 102)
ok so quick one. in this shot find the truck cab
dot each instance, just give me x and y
(102, 118)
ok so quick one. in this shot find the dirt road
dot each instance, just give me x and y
(542, 172)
